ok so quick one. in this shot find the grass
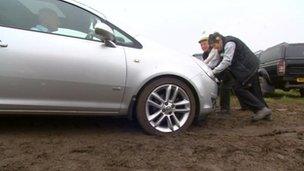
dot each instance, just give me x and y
(279, 97)
(280, 93)
(289, 97)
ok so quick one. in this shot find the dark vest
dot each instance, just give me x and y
(244, 63)
(205, 55)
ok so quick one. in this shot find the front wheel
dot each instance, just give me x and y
(166, 106)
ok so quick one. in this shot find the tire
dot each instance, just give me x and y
(262, 85)
(156, 110)
(265, 87)
(302, 92)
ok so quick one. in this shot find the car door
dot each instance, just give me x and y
(66, 69)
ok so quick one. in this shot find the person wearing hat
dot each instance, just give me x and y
(225, 87)
(205, 46)
(210, 55)
(243, 64)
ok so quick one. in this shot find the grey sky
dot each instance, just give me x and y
(179, 24)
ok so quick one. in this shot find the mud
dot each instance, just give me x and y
(106, 143)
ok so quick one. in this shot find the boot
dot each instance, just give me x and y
(264, 113)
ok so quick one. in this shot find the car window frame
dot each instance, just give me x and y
(136, 44)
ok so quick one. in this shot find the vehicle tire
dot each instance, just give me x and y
(166, 106)
(302, 92)
(262, 84)
(266, 88)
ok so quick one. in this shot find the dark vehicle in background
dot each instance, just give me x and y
(282, 67)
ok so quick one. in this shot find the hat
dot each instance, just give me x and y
(205, 37)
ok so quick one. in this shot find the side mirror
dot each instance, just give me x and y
(106, 34)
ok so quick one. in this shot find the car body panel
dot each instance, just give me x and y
(46, 73)
(154, 61)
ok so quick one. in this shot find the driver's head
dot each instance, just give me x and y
(49, 19)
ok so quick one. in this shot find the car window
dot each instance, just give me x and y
(295, 50)
(36, 5)
(273, 53)
(49, 16)
(121, 38)
(57, 17)
(14, 14)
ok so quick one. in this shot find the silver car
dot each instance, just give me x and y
(62, 57)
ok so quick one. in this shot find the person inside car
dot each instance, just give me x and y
(48, 21)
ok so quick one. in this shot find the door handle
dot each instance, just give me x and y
(3, 45)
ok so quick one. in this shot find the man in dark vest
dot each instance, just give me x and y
(243, 64)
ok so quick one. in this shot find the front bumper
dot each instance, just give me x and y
(207, 91)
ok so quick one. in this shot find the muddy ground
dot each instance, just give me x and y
(78, 143)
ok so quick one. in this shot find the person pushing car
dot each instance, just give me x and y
(243, 64)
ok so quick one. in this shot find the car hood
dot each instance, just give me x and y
(159, 57)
